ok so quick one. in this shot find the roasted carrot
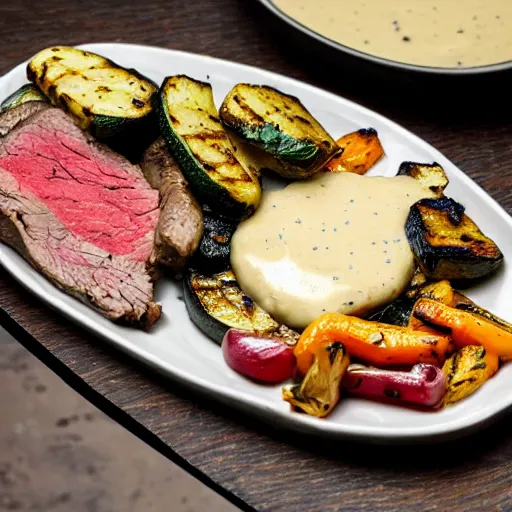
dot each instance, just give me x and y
(466, 328)
(467, 370)
(361, 151)
(373, 342)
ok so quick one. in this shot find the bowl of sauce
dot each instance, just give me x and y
(450, 37)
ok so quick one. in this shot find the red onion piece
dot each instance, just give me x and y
(259, 357)
(423, 385)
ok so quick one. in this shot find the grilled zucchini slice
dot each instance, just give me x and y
(280, 125)
(431, 176)
(26, 93)
(216, 303)
(190, 125)
(447, 244)
(101, 96)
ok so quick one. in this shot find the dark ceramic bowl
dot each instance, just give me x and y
(311, 40)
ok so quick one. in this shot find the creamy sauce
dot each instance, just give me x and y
(439, 33)
(335, 243)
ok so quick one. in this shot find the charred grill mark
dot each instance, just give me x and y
(213, 118)
(51, 91)
(138, 103)
(248, 110)
(172, 118)
(333, 349)
(368, 132)
(248, 304)
(303, 120)
(479, 366)
(470, 380)
(43, 72)
(229, 283)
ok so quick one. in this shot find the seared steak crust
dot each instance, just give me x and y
(180, 226)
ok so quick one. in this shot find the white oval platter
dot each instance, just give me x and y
(177, 349)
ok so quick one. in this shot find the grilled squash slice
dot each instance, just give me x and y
(447, 244)
(281, 126)
(24, 94)
(467, 370)
(431, 176)
(189, 123)
(100, 95)
(361, 151)
(216, 303)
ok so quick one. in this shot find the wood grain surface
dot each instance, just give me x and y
(253, 465)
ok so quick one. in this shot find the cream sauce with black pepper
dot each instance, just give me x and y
(333, 243)
(439, 33)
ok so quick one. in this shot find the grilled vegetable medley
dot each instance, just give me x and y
(429, 347)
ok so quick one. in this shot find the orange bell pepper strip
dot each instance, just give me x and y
(373, 342)
(361, 151)
(466, 328)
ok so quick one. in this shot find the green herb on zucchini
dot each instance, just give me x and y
(190, 125)
(280, 125)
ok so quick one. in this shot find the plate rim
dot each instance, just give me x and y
(302, 423)
(389, 63)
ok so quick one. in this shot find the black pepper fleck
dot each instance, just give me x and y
(406, 39)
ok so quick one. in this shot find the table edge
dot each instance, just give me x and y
(114, 412)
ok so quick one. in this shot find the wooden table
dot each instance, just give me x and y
(247, 462)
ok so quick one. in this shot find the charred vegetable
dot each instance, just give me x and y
(423, 385)
(100, 95)
(260, 357)
(213, 252)
(417, 282)
(280, 125)
(464, 304)
(361, 151)
(397, 312)
(431, 176)
(216, 303)
(189, 123)
(467, 370)
(375, 343)
(26, 93)
(465, 328)
(447, 244)
(319, 392)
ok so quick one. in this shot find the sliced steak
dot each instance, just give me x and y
(79, 213)
(180, 226)
(14, 116)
